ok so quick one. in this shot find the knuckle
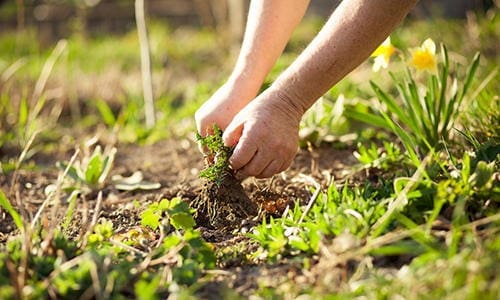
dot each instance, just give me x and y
(250, 170)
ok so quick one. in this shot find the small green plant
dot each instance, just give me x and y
(376, 157)
(91, 172)
(194, 254)
(334, 212)
(5, 204)
(323, 122)
(173, 212)
(58, 267)
(102, 232)
(217, 156)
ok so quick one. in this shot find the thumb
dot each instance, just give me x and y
(232, 134)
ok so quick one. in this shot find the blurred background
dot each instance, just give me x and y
(60, 18)
(96, 77)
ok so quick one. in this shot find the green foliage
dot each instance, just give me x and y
(102, 232)
(323, 122)
(469, 274)
(218, 156)
(91, 172)
(59, 267)
(376, 157)
(19, 120)
(334, 212)
(173, 212)
(5, 204)
(426, 112)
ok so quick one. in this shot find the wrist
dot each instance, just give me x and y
(288, 91)
(288, 104)
(247, 77)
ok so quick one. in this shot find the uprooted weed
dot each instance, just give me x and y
(222, 202)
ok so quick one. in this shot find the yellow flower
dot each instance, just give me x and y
(424, 57)
(382, 55)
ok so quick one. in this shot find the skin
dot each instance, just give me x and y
(264, 128)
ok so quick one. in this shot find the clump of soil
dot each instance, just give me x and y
(223, 204)
(222, 201)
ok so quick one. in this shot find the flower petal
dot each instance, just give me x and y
(429, 45)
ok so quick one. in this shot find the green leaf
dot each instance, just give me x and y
(147, 289)
(483, 174)
(443, 86)
(71, 208)
(298, 243)
(171, 240)
(368, 118)
(470, 74)
(94, 170)
(182, 221)
(466, 168)
(392, 106)
(106, 113)
(23, 113)
(72, 171)
(399, 248)
(164, 204)
(107, 164)
(176, 205)
(150, 219)
(5, 203)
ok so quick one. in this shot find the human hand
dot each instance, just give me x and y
(221, 108)
(265, 133)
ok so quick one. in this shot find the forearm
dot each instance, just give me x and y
(269, 26)
(351, 34)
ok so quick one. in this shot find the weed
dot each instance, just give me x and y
(377, 157)
(91, 172)
(58, 267)
(222, 201)
(217, 155)
(334, 212)
(5, 204)
(323, 122)
(178, 214)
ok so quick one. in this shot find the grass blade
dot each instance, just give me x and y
(5, 203)
(443, 86)
(106, 113)
(367, 118)
(470, 75)
(412, 110)
(392, 106)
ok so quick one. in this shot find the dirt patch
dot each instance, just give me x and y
(223, 205)
(175, 164)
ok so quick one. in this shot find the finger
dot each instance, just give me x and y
(256, 165)
(203, 149)
(206, 129)
(243, 153)
(232, 134)
(271, 169)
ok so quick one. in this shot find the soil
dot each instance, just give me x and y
(175, 164)
(224, 204)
